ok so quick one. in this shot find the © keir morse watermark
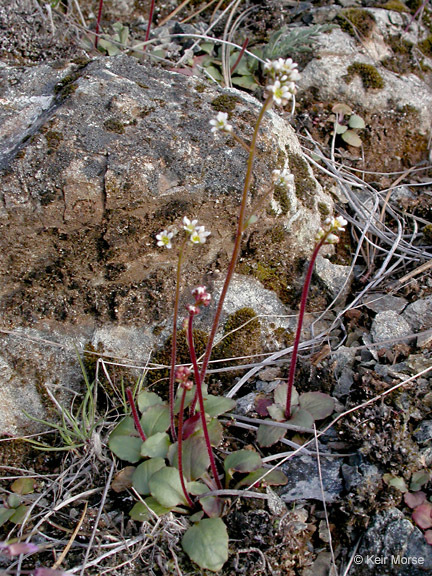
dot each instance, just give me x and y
(391, 560)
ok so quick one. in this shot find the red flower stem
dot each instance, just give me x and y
(240, 56)
(174, 341)
(135, 414)
(152, 5)
(238, 239)
(179, 448)
(98, 20)
(300, 324)
(198, 382)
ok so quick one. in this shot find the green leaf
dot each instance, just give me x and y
(351, 138)
(166, 487)
(156, 446)
(19, 514)
(242, 68)
(280, 395)
(206, 543)
(247, 82)
(143, 473)
(23, 486)
(214, 73)
(155, 419)
(217, 405)
(5, 514)
(274, 478)
(341, 109)
(123, 441)
(242, 461)
(318, 404)
(215, 431)
(396, 482)
(13, 501)
(190, 394)
(277, 412)
(146, 399)
(207, 47)
(195, 457)
(141, 513)
(419, 479)
(302, 418)
(269, 435)
(356, 122)
(340, 129)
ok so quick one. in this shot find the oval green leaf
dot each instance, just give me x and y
(155, 419)
(217, 405)
(166, 487)
(356, 122)
(351, 138)
(156, 446)
(269, 435)
(242, 461)
(143, 473)
(318, 404)
(195, 457)
(206, 544)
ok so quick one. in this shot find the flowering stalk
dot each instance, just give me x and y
(98, 20)
(182, 375)
(135, 414)
(326, 235)
(152, 5)
(198, 382)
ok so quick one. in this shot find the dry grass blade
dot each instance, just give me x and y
(72, 539)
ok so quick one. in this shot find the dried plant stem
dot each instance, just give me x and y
(198, 382)
(135, 414)
(300, 324)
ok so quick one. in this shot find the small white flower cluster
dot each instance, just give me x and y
(220, 123)
(330, 229)
(197, 234)
(283, 178)
(284, 74)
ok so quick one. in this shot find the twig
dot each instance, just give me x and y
(71, 539)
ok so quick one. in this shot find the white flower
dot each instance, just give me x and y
(281, 93)
(283, 177)
(199, 235)
(189, 225)
(331, 227)
(164, 238)
(332, 239)
(283, 70)
(339, 223)
(220, 123)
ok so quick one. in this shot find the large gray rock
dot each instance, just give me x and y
(96, 159)
(392, 545)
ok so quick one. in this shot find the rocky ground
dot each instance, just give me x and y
(370, 324)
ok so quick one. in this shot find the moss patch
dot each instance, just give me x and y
(395, 5)
(113, 125)
(426, 46)
(356, 22)
(369, 75)
(225, 103)
(304, 184)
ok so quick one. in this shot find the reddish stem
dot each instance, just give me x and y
(179, 448)
(99, 17)
(300, 324)
(152, 5)
(240, 56)
(135, 414)
(198, 382)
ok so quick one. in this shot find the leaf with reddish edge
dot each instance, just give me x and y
(190, 425)
(414, 499)
(269, 435)
(261, 405)
(422, 515)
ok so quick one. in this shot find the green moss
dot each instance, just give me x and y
(200, 88)
(356, 21)
(427, 233)
(395, 5)
(277, 234)
(281, 196)
(304, 183)
(323, 209)
(426, 46)
(113, 125)
(66, 86)
(225, 103)
(369, 75)
(243, 337)
(53, 139)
